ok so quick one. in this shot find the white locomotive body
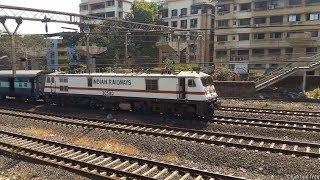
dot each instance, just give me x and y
(186, 93)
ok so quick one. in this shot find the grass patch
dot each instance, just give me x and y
(38, 132)
(112, 145)
(314, 94)
(169, 157)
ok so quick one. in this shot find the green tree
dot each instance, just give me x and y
(144, 12)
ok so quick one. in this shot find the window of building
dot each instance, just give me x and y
(120, 4)
(275, 35)
(276, 19)
(274, 51)
(235, 7)
(166, 23)
(165, 13)
(258, 36)
(222, 53)
(312, 1)
(244, 37)
(243, 52)
(97, 6)
(174, 23)
(52, 80)
(314, 33)
(194, 10)
(193, 23)
(221, 38)
(294, 17)
(101, 15)
(313, 16)
(245, 7)
(184, 11)
(84, 8)
(261, 5)
(152, 84)
(48, 79)
(289, 51)
(295, 2)
(223, 23)
(110, 14)
(234, 22)
(120, 14)
(191, 83)
(257, 52)
(20, 85)
(274, 4)
(89, 82)
(110, 3)
(174, 12)
(311, 50)
(223, 8)
(245, 22)
(260, 20)
(184, 24)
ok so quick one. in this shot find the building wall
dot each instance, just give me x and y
(106, 9)
(267, 51)
(203, 20)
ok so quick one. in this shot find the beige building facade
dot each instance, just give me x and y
(196, 20)
(261, 35)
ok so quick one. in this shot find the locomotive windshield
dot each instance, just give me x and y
(206, 81)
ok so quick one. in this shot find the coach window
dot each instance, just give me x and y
(48, 79)
(52, 80)
(61, 79)
(61, 88)
(191, 83)
(89, 82)
(65, 80)
(151, 84)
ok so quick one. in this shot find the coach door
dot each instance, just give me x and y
(182, 88)
(53, 85)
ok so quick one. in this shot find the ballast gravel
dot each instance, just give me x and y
(238, 162)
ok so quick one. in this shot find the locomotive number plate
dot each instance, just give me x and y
(108, 93)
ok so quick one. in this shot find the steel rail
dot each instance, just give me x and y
(269, 123)
(96, 163)
(213, 138)
(270, 111)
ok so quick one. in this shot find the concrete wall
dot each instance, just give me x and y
(239, 89)
(296, 82)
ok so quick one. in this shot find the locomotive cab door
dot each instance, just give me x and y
(53, 85)
(182, 88)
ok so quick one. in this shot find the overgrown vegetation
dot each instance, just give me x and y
(314, 94)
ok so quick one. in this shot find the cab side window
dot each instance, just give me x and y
(191, 83)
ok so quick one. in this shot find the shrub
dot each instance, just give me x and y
(314, 94)
(224, 74)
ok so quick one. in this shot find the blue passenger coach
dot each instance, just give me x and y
(26, 84)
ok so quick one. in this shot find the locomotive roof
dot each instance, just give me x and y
(20, 73)
(181, 74)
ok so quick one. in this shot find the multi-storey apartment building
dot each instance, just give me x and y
(259, 35)
(193, 15)
(106, 8)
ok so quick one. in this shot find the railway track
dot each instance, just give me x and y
(97, 164)
(295, 148)
(267, 123)
(270, 111)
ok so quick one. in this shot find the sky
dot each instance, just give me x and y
(28, 27)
